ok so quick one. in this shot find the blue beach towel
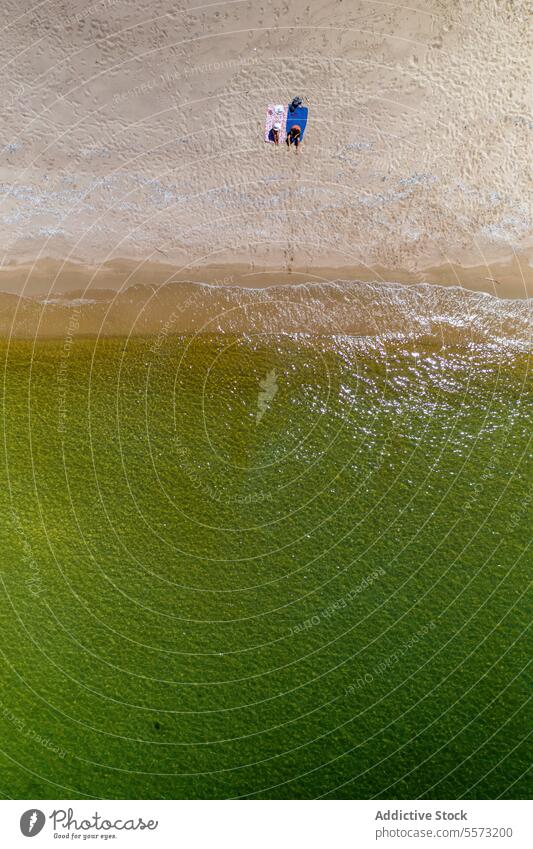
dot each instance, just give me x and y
(299, 116)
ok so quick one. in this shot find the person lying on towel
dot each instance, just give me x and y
(276, 130)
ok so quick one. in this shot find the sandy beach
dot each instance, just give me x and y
(132, 145)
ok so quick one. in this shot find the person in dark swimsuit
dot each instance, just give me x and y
(294, 136)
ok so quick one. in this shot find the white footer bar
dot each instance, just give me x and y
(267, 824)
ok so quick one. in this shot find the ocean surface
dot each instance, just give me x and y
(281, 555)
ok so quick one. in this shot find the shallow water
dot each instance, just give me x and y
(266, 565)
(425, 312)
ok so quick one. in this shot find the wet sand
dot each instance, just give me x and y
(116, 299)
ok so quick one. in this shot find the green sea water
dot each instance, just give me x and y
(265, 567)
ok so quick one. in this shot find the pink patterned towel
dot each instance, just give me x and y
(276, 114)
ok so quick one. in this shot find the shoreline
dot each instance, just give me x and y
(160, 301)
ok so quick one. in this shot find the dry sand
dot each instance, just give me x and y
(132, 149)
